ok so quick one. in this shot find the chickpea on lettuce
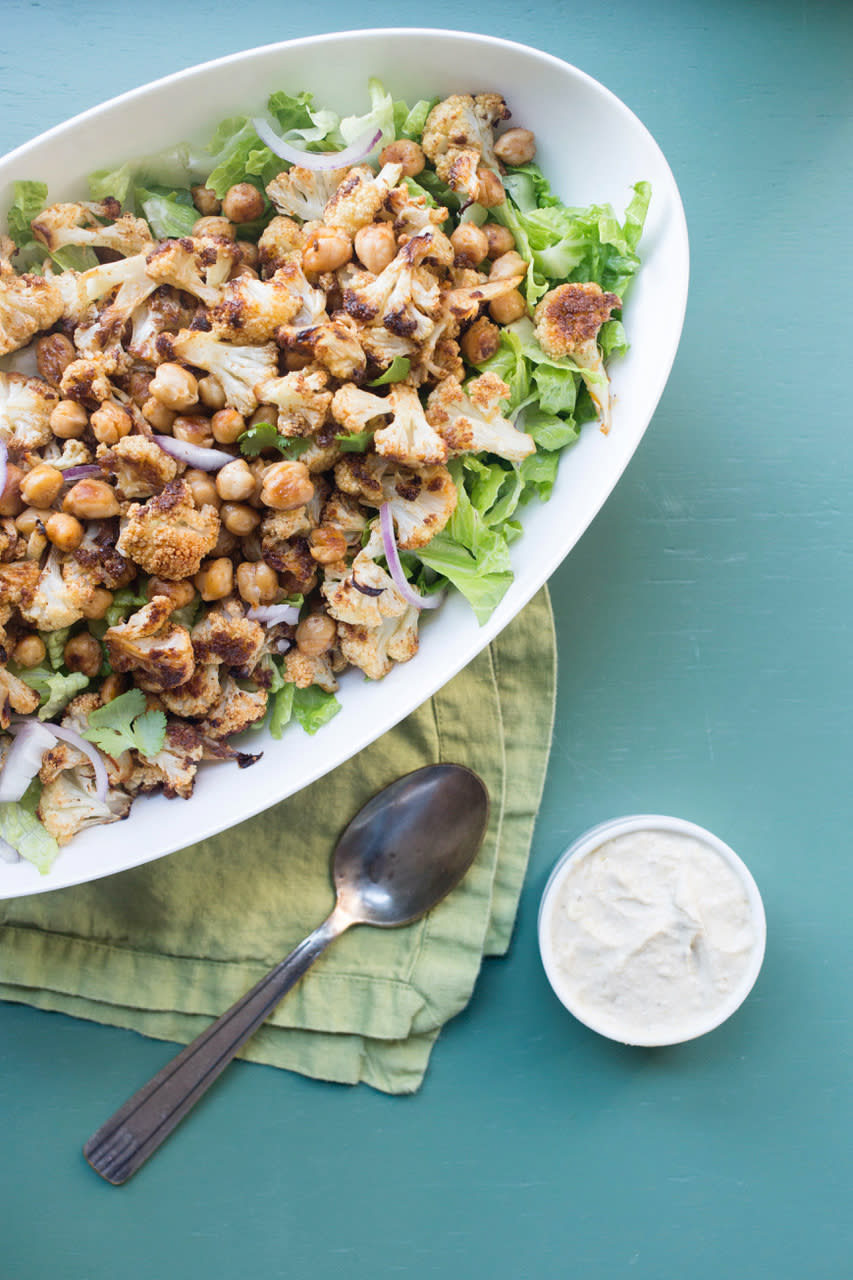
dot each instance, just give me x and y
(252, 427)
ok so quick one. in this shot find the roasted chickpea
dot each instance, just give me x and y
(180, 594)
(375, 246)
(243, 269)
(193, 428)
(206, 201)
(500, 239)
(287, 485)
(99, 603)
(29, 650)
(235, 482)
(112, 686)
(326, 249)
(327, 545)
(215, 579)
(30, 519)
(110, 423)
(470, 244)
(64, 531)
(250, 254)
(42, 486)
(225, 544)
(243, 203)
(239, 518)
(405, 152)
(214, 226)
(515, 147)
(227, 425)
(257, 467)
(315, 634)
(91, 500)
(54, 354)
(158, 415)
(508, 264)
(11, 502)
(210, 392)
(263, 413)
(175, 387)
(138, 384)
(83, 653)
(490, 189)
(481, 341)
(508, 308)
(257, 582)
(294, 361)
(202, 487)
(68, 420)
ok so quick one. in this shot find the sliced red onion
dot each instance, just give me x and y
(318, 160)
(4, 460)
(194, 455)
(389, 542)
(24, 759)
(274, 613)
(102, 782)
(82, 472)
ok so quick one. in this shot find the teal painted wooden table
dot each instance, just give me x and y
(704, 627)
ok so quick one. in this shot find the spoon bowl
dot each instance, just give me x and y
(400, 855)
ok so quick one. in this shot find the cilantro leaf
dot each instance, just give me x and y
(357, 442)
(124, 724)
(265, 436)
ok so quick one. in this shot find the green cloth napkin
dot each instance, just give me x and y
(166, 947)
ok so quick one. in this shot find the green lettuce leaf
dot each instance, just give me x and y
(55, 689)
(54, 642)
(380, 116)
(28, 200)
(171, 214)
(281, 709)
(355, 442)
(313, 707)
(124, 724)
(20, 828)
(397, 370)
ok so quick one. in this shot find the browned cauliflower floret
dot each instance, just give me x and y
(237, 369)
(226, 635)
(334, 344)
(155, 649)
(88, 382)
(301, 399)
(251, 310)
(80, 224)
(304, 670)
(567, 321)
(405, 298)
(166, 310)
(472, 422)
(18, 582)
(15, 696)
(312, 308)
(168, 536)
(412, 213)
(354, 407)
(28, 304)
(139, 465)
(98, 556)
(408, 437)
(421, 501)
(375, 649)
(25, 408)
(280, 238)
(63, 592)
(459, 138)
(173, 769)
(197, 695)
(357, 200)
(304, 193)
(234, 710)
(465, 301)
(69, 805)
(199, 265)
(365, 594)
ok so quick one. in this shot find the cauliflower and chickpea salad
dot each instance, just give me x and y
(259, 406)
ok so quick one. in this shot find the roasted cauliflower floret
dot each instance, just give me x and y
(238, 369)
(279, 240)
(197, 695)
(98, 556)
(304, 193)
(312, 308)
(472, 422)
(226, 635)
(164, 311)
(301, 399)
(80, 224)
(173, 769)
(405, 297)
(464, 302)
(304, 670)
(251, 310)
(15, 696)
(197, 264)
(103, 331)
(459, 138)
(25, 408)
(168, 536)
(408, 437)
(375, 649)
(567, 321)
(61, 595)
(234, 710)
(412, 213)
(354, 407)
(28, 304)
(334, 344)
(69, 805)
(140, 467)
(88, 382)
(365, 594)
(357, 200)
(421, 501)
(18, 583)
(155, 649)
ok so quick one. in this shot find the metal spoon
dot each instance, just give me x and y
(401, 854)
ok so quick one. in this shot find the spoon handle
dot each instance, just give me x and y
(136, 1130)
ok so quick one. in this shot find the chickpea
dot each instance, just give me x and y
(293, 361)
(239, 518)
(375, 246)
(30, 518)
(257, 467)
(287, 485)
(202, 488)
(242, 269)
(235, 482)
(138, 384)
(257, 582)
(99, 603)
(315, 634)
(175, 387)
(210, 392)
(227, 425)
(110, 423)
(327, 545)
(470, 244)
(215, 579)
(500, 239)
(264, 413)
(29, 651)
(515, 147)
(193, 429)
(250, 254)
(490, 189)
(243, 203)
(225, 544)
(68, 420)
(161, 418)
(214, 226)
(91, 500)
(180, 594)
(42, 486)
(511, 306)
(11, 502)
(54, 354)
(508, 264)
(481, 341)
(112, 687)
(326, 249)
(206, 201)
(83, 653)
(64, 531)
(405, 152)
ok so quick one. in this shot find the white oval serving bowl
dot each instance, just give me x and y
(598, 160)
(689, 1025)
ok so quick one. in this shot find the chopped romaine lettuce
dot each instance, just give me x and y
(20, 828)
(311, 707)
(53, 687)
